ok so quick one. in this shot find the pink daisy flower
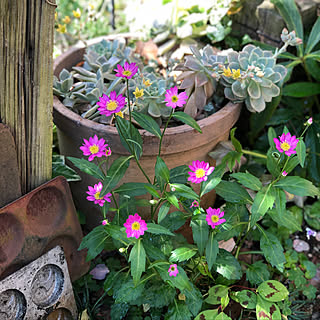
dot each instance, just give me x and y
(174, 99)
(94, 195)
(94, 147)
(200, 171)
(127, 71)
(284, 173)
(135, 226)
(195, 204)
(213, 217)
(104, 222)
(173, 270)
(112, 104)
(286, 144)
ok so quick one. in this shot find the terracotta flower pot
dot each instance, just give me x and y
(181, 145)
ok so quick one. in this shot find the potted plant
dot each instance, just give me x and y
(246, 77)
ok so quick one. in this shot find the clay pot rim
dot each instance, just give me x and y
(76, 118)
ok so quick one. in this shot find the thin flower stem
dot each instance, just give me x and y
(251, 252)
(114, 200)
(255, 154)
(129, 106)
(164, 130)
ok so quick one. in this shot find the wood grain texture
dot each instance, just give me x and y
(26, 44)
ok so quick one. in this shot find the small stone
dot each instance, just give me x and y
(300, 245)
(318, 236)
(99, 272)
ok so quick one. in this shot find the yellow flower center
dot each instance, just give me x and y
(200, 173)
(174, 98)
(214, 218)
(136, 226)
(172, 268)
(127, 73)
(94, 149)
(285, 146)
(97, 195)
(112, 105)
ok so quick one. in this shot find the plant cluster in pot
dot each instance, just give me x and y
(250, 75)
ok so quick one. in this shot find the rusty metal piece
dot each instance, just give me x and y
(9, 173)
(37, 222)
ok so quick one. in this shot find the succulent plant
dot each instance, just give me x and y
(198, 77)
(252, 76)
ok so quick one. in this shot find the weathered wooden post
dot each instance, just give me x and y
(26, 44)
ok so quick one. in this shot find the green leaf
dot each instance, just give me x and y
(298, 186)
(178, 311)
(272, 162)
(183, 253)
(172, 199)
(231, 158)
(200, 232)
(310, 292)
(117, 233)
(263, 201)
(212, 250)
(227, 265)
(233, 192)
(158, 229)
(94, 242)
(301, 89)
(216, 293)
(132, 141)
(147, 123)
(311, 269)
(213, 179)
(266, 310)
(152, 190)
(207, 314)
(174, 220)
(301, 152)
(115, 173)
(236, 143)
(133, 189)
(184, 191)
(257, 273)
(291, 164)
(87, 167)
(272, 249)
(272, 290)
(59, 168)
(314, 37)
(179, 174)
(163, 211)
(313, 144)
(185, 118)
(162, 173)
(193, 300)
(128, 292)
(246, 298)
(271, 135)
(138, 261)
(280, 201)
(285, 219)
(222, 316)
(248, 180)
(292, 17)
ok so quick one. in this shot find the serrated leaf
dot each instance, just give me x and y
(59, 168)
(235, 142)
(257, 273)
(147, 123)
(128, 292)
(172, 199)
(184, 191)
(227, 265)
(212, 250)
(301, 89)
(174, 220)
(162, 173)
(266, 310)
(179, 174)
(272, 290)
(301, 152)
(193, 300)
(178, 311)
(87, 167)
(152, 190)
(246, 298)
(158, 229)
(232, 192)
(185, 118)
(216, 293)
(213, 180)
(285, 219)
(138, 261)
(200, 232)
(163, 211)
(298, 186)
(132, 189)
(248, 180)
(272, 249)
(183, 253)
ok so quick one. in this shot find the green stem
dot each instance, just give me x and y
(164, 130)
(255, 154)
(114, 200)
(251, 252)
(129, 106)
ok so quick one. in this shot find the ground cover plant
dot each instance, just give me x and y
(162, 275)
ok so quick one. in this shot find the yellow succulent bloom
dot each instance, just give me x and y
(120, 114)
(236, 74)
(227, 72)
(138, 93)
(62, 28)
(76, 13)
(91, 6)
(66, 20)
(147, 82)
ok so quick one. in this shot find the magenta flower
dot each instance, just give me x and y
(284, 173)
(135, 226)
(127, 71)
(112, 104)
(195, 204)
(213, 217)
(200, 171)
(174, 99)
(94, 195)
(104, 222)
(173, 270)
(94, 147)
(286, 144)
(108, 152)
(310, 120)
